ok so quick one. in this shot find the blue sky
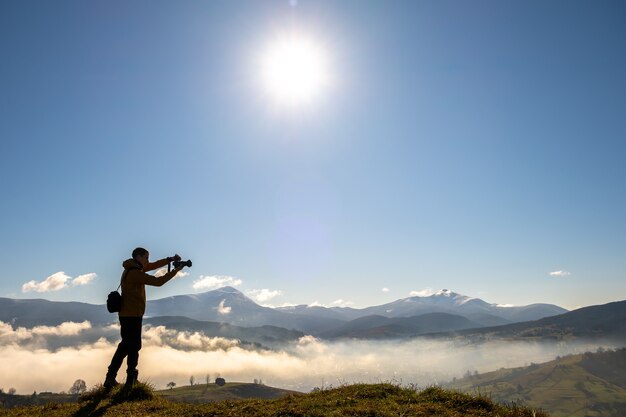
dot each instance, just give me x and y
(476, 146)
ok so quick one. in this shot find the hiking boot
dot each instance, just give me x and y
(109, 380)
(110, 383)
(131, 379)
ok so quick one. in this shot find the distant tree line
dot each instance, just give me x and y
(11, 391)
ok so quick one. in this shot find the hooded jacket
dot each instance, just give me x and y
(134, 281)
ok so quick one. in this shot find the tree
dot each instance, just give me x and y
(79, 387)
(256, 381)
(171, 384)
(11, 391)
(191, 380)
(208, 379)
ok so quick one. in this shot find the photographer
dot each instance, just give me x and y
(133, 282)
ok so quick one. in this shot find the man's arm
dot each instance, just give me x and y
(147, 279)
(156, 264)
(160, 263)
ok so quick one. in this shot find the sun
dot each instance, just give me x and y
(294, 70)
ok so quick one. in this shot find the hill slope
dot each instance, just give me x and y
(605, 322)
(202, 393)
(590, 384)
(380, 327)
(37, 312)
(353, 400)
(266, 335)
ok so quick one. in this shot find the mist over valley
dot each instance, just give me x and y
(327, 347)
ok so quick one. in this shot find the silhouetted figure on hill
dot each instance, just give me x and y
(133, 282)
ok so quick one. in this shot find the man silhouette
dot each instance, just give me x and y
(134, 279)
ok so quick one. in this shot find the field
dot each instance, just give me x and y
(353, 400)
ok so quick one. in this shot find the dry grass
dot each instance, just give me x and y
(359, 400)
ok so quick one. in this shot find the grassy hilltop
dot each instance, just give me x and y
(353, 400)
(205, 393)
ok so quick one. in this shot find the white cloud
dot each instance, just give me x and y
(385, 289)
(426, 292)
(162, 336)
(308, 345)
(84, 279)
(54, 282)
(560, 273)
(222, 309)
(169, 355)
(68, 328)
(162, 271)
(308, 339)
(342, 303)
(58, 281)
(264, 294)
(214, 281)
(9, 335)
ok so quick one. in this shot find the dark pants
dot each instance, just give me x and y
(128, 347)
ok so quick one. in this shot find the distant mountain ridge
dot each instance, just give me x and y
(444, 301)
(229, 305)
(380, 327)
(39, 312)
(605, 322)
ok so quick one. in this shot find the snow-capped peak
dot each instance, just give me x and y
(441, 296)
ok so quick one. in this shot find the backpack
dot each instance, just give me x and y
(114, 300)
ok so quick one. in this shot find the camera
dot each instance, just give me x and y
(186, 263)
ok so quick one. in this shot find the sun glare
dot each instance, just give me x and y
(294, 70)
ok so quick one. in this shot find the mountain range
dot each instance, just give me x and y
(444, 301)
(449, 310)
(605, 322)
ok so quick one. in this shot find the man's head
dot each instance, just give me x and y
(141, 255)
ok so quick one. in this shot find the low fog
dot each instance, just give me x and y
(51, 358)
